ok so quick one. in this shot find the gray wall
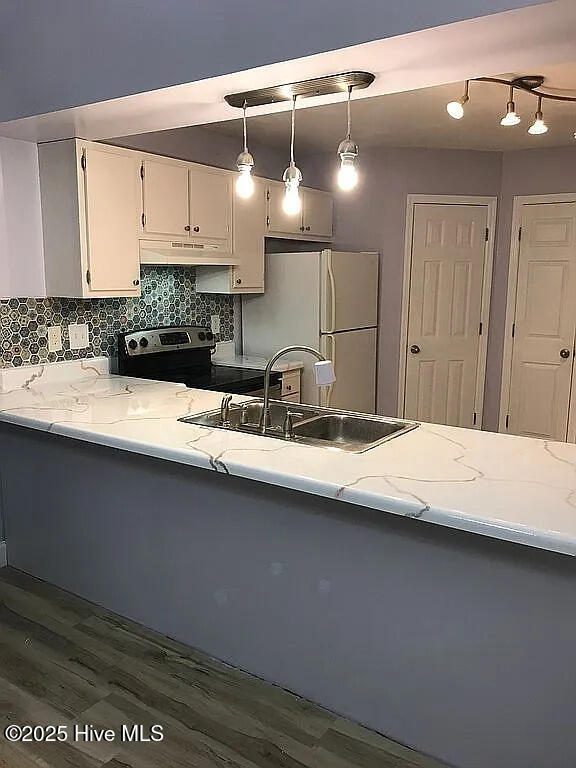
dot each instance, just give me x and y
(199, 144)
(64, 53)
(373, 218)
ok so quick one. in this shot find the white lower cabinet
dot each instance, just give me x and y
(90, 195)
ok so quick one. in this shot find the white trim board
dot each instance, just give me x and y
(491, 205)
(3, 557)
(513, 264)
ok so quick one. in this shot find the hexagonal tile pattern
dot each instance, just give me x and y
(168, 298)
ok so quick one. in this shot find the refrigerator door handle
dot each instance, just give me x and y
(332, 284)
(332, 357)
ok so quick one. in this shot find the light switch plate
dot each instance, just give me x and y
(54, 333)
(215, 323)
(78, 335)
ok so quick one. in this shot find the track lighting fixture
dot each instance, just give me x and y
(292, 175)
(245, 164)
(511, 117)
(456, 108)
(538, 126)
(348, 152)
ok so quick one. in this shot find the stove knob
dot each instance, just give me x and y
(202, 336)
(132, 343)
(209, 335)
(144, 342)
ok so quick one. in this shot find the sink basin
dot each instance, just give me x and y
(323, 427)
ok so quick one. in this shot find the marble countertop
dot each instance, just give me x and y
(512, 488)
(250, 361)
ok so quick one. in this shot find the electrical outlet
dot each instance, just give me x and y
(78, 335)
(54, 338)
(215, 323)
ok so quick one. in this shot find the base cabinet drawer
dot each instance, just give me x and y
(290, 383)
(295, 398)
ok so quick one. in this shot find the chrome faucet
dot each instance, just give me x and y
(265, 415)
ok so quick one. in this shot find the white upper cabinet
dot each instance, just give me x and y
(210, 204)
(281, 223)
(165, 198)
(91, 204)
(316, 213)
(313, 223)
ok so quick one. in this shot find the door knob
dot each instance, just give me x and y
(414, 349)
(564, 353)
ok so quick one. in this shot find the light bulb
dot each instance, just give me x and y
(538, 127)
(455, 109)
(291, 205)
(510, 118)
(347, 175)
(245, 182)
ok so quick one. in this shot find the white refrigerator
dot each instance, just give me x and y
(327, 300)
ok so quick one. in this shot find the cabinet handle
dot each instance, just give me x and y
(307, 229)
(187, 228)
(239, 281)
(289, 388)
(564, 353)
(415, 349)
(301, 229)
(135, 282)
(196, 229)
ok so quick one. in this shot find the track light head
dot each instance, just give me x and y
(456, 108)
(511, 117)
(538, 127)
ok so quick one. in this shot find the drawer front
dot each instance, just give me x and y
(295, 398)
(290, 382)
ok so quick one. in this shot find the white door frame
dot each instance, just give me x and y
(519, 201)
(491, 204)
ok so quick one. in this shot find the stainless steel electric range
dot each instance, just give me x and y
(183, 354)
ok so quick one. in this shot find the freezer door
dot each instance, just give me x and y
(349, 291)
(354, 356)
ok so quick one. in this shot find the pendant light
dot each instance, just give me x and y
(511, 117)
(245, 163)
(538, 126)
(292, 175)
(456, 108)
(348, 151)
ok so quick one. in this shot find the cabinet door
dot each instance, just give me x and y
(210, 204)
(317, 213)
(165, 196)
(112, 202)
(249, 230)
(278, 221)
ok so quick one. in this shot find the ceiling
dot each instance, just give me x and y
(418, 118)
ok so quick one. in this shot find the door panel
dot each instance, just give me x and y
(165, 199)
(278, 221)
(349, 291)
(112, 193)
(210, 204)
(445, 303)
(317, 213)
(249, 218)
(544, 322)
(354, 356)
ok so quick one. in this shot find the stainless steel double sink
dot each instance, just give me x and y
(311, 425)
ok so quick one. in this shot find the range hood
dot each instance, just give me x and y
(186, 254)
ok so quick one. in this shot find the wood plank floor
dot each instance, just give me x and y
(64, 661)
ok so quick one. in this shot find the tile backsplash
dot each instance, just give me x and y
(168, 298)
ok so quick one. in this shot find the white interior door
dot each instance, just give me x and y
(545, 320)
(349, 291)
(353, 354)
(445, 305)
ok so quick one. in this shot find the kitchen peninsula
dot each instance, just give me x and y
(356, 580)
